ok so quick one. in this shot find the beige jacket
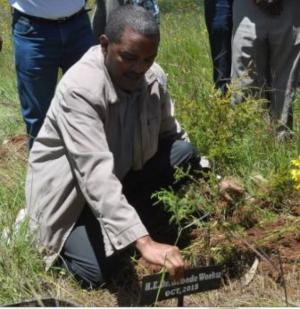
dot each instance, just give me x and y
(72, 160)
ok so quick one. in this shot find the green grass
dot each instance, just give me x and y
(10, 119)
(239, 142)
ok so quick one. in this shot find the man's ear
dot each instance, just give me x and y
(104, 42)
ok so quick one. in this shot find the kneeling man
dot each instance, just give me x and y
(109, 137)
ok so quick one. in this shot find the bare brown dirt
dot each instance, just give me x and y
(278, 240)
(13, 157)
(13, 147)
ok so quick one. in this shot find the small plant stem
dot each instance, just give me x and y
(162, 279)
(194, 222)
(283, 279)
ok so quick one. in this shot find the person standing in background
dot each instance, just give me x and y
(47, 36)
(104, 7)
(266, 56)
(218, 18)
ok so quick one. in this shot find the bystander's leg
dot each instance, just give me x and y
(41, 48)
(77, 38)
(218, 17)
(250, 71)
(37, 54)
(102, 10)
(284, 64)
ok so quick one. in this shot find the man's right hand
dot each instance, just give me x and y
(162, 255)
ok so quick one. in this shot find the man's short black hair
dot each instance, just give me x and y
(134, 17)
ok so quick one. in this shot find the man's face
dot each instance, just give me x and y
(128, 60)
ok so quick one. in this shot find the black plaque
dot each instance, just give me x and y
(195, 280)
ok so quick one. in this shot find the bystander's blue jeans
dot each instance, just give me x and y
(218, 17)
(41, 48)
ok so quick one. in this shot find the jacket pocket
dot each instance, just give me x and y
(22, 26)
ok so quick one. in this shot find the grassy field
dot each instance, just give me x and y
(262, 222)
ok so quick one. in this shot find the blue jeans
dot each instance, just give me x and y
(218, 17)
(41, 48)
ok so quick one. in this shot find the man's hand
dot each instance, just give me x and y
(1, 43)
(162, 255)
(229, 188)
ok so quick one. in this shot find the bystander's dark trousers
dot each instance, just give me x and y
(218, 17)
(101, 13)
(83, 253)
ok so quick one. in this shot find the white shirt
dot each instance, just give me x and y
(50, 9)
